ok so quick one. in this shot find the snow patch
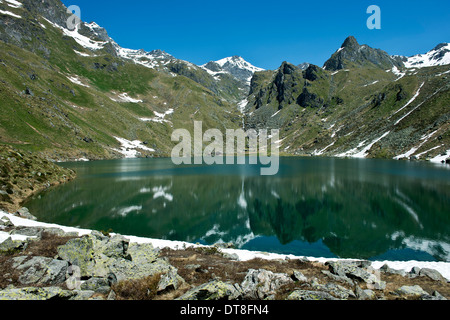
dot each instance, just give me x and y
(242, 105)
(83, 41)
(124, 97)
(371, 83)
(354, 153)
(397, 72)
(435, 57)
(411, 100)
(76, 80)
(123, 212)
(130, 148)
(440, 158)
(82, 53)
(323, 150)
(409, 153)
(160, 192)
(10, 14)
(13, 3)
(159, 117)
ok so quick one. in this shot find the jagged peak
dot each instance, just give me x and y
(350, 42)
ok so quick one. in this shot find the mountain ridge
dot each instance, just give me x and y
(142, 95)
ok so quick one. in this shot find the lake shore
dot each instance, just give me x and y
(223, 272)
(26, 175)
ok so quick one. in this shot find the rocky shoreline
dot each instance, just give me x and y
(48, 263)
(23, 174)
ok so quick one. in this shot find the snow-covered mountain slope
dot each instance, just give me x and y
(236, 66)
(439, 56)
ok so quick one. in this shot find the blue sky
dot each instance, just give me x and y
(266, 33)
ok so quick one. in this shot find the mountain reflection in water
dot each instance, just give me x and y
(347, 208)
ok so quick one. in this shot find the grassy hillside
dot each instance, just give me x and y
(343, 112)
(23, 174)
(67, 102)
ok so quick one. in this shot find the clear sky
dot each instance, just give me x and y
(266, 33)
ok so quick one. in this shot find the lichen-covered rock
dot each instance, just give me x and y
(79, 252)
(42, 271)
(333, 289)
(143, 253)
(354, 270)
(310, 295)
(415, 290)
(100, 285)
(298, 276)
(214, 290)
(114, 247)
(36, 294)
(11, 246)
(366, 294)
(259, 284)
(170, 281)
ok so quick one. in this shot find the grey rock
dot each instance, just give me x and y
(36, 294)
(353, 269)
(117, 247)
(386, 269)
(192, 266)
(170, 281)
(333, 289)
(79, 252)
(334, 277)
(99, 236)
(298, 276)
(112, 295)
(25, 213)
(140, 261)
(310, 295)
(28, 92)
(5, 222)
(99, 285)
(414, 272)
(231, 256)
(437, 296)
(28, 231)
(415, 290)
(432, 274)
(59, 232)
(82, 295)
(42, 271)
(11, 246)
(17, 261)
(259, 284)
(366, 294)
(213, 290)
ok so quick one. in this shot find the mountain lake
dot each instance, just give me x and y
(317, 207)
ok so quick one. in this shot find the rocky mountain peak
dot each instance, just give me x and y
(350, 43)
(352, 54)
(438, 56)
(235, 66)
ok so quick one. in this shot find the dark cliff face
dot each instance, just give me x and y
(352, 54)
(289, 85)
(52, 10)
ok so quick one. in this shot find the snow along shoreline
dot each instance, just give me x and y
(243, 255)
